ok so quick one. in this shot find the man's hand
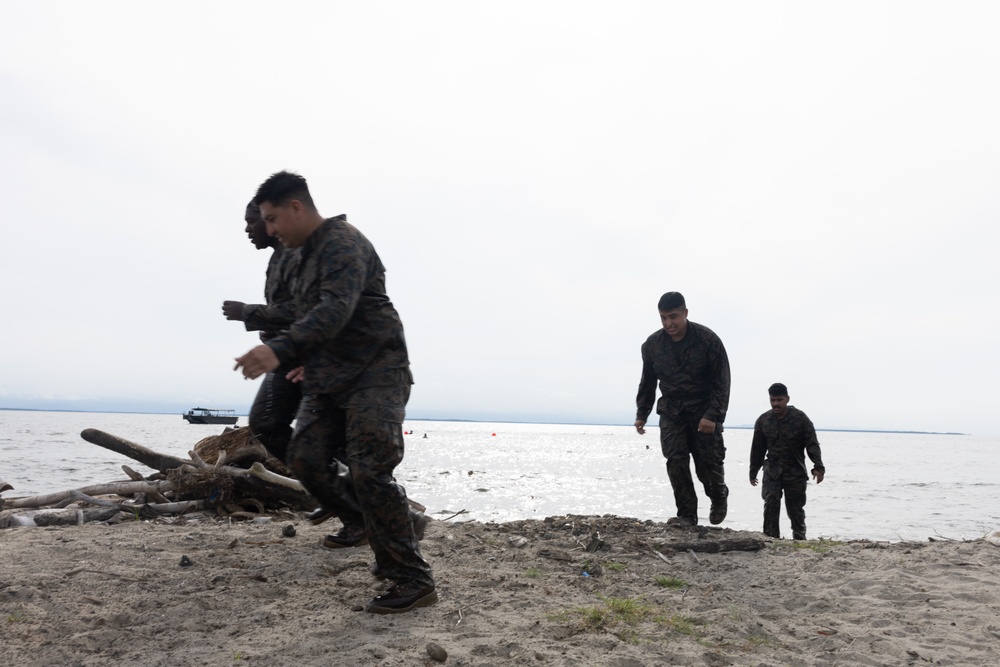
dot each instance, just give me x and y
(296, 374)
(639, 426)
(753, 481)
(817, 475)
(706, 426)
(233, 310)
(257, 361)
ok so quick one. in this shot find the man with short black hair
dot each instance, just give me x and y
(278, 398)
(692, 368)
(784, 434)
(357, 381)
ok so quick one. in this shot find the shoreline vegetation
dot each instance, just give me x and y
(486, 421)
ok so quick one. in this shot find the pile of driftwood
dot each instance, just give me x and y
(231, 475)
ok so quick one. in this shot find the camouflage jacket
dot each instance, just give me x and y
(784, 442)
(279, 310)
(346, 331)
(693, 375)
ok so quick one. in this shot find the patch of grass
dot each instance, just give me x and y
(615, 566)
(628, 610)
(533, 572)
(622, 617)
(17, 616)
(670, 582)
(628, 636)
(595, 617)
(615, 611)
(685, 625)
(755, 640)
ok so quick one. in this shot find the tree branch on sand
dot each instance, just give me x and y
(231, 474)
(712, 546)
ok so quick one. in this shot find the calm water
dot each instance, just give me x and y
(878, 486)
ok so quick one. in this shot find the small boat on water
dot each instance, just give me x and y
(210, 416)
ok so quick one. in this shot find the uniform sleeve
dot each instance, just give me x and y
(758, 449)
(342, 280)
(647, 388)
(279, 312)
(812, 445)
(718, 400)
(258, 317)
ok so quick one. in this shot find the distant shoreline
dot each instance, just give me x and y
(493, 421)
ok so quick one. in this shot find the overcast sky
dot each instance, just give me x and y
(819, 180)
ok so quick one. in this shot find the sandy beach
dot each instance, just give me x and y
(513, 593)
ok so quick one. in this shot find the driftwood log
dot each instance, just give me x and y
(712, 546)
(230, 475)
(113, 488)
(246, 483)
(259, 471)
(238, 447)
(74, 517)
(147, 457)
(155, 496)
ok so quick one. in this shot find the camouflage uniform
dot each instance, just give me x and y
(357, 382)
(784, 441)
(279, 310)
(694, 382)
(277, 399)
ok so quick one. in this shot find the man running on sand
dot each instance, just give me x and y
(356, 384)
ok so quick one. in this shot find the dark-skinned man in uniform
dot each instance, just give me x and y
(278, 398)
(784, 435)
(692, 368)
(356, 383)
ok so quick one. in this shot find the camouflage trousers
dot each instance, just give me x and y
(794, 490)
(272, 412)
(680, 443)
(362, 430)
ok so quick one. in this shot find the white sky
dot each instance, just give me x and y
(819, 180)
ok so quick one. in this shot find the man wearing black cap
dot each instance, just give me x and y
(692, 367)
(784, 435)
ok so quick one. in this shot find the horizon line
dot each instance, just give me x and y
(742, 427)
